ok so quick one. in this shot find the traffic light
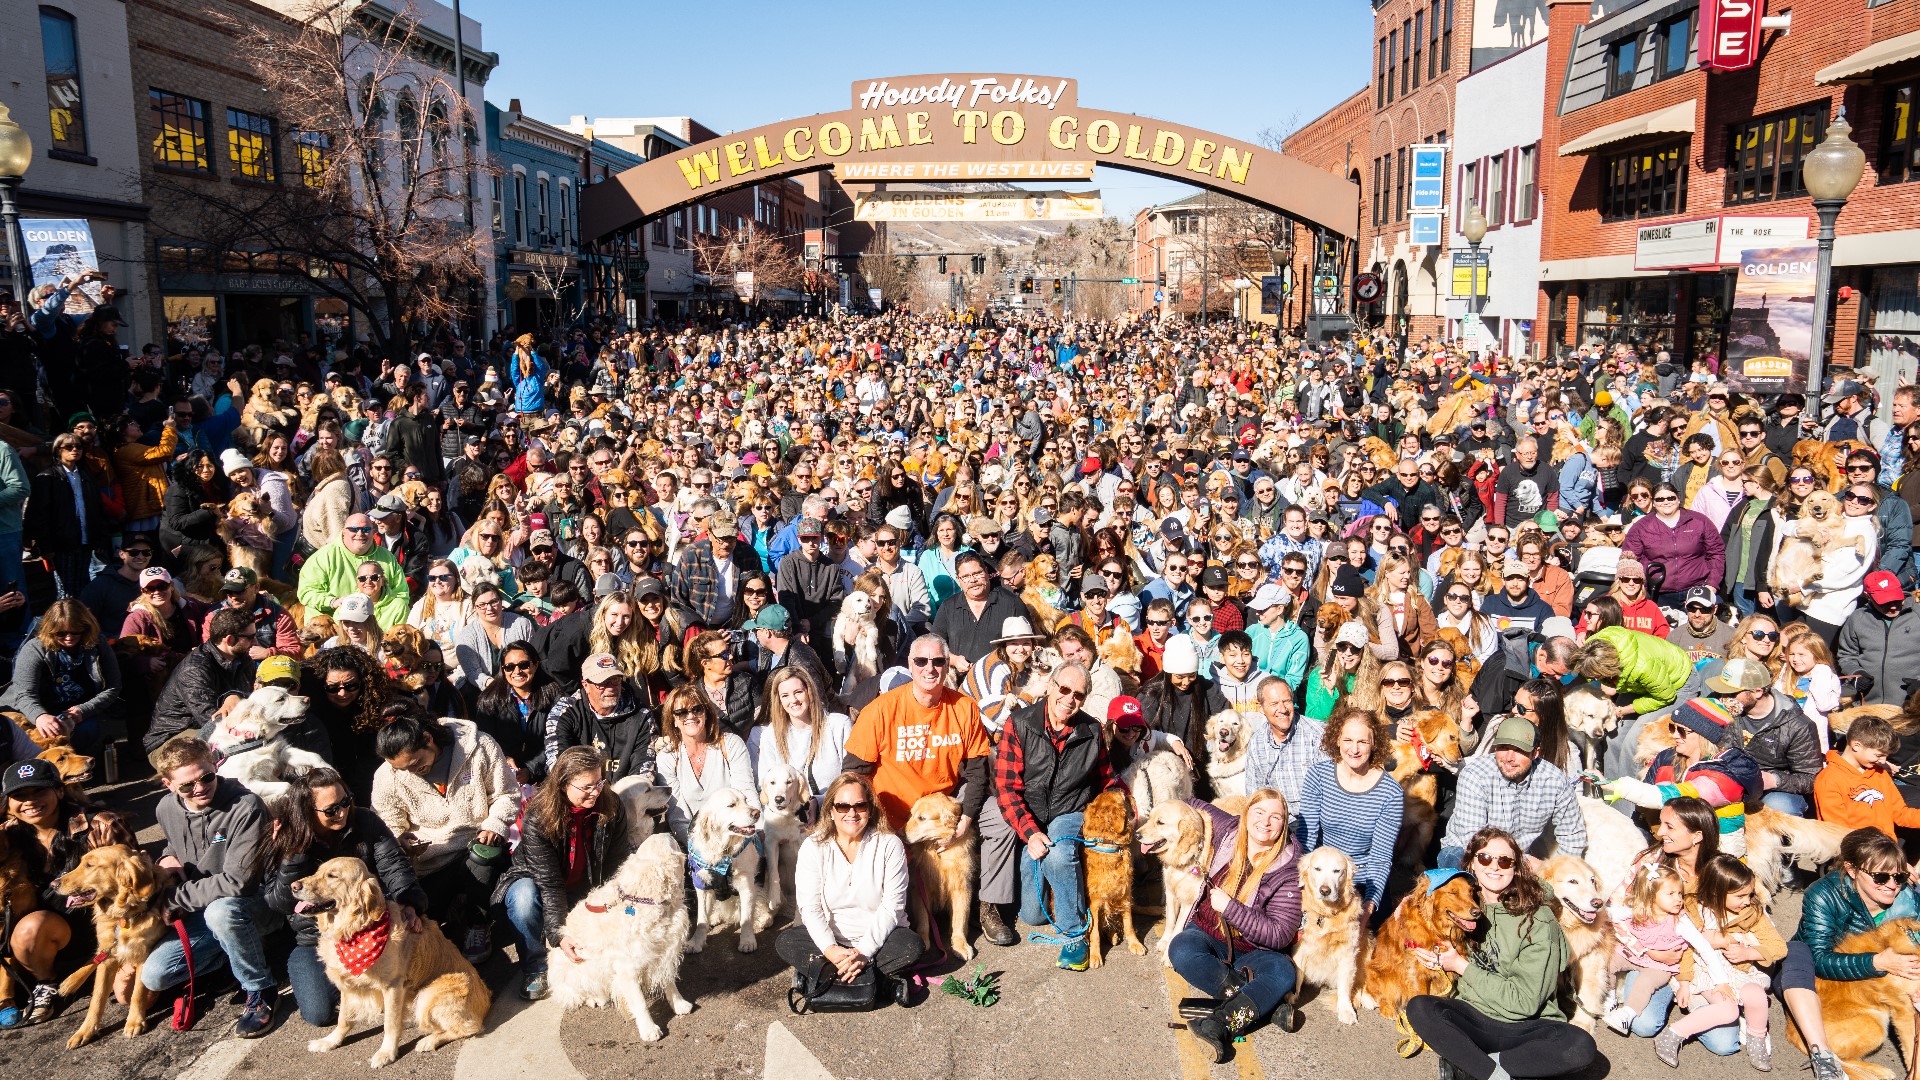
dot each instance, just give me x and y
(1056, 286)
(979, 264)
(943, 264)
(1161, 279)
(1026, 285)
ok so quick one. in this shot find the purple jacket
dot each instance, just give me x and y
(1692, 551)
(1272, 921)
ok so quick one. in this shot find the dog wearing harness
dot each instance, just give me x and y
(724, 851)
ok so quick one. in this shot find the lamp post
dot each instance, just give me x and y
(1475, 230)
(1831, 170)
(16, 153)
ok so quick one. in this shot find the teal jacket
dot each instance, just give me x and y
(1282, 652)
(15, 485)
(1830, 912)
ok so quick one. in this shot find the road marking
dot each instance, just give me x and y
(526, 1042)
(789, 1059)
(219, 1060)
(1196, 1063)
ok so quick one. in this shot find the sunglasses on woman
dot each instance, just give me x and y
(1764, 635)
(1883, 878)
(1397, 683)
(1504, 862)
(1459, 596)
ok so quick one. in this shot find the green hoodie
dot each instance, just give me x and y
(1652, 669)
(1514, 974)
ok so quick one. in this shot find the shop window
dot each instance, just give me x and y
(192, 320)
(1764, 154)
(250, 146)
(182, 125)
(315, 150)
(1644, 183)
(60, 49)
(1899, 142)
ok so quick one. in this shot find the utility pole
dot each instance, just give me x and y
(1206, 252)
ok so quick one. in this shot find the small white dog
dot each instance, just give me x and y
(630, 934)
(856, 638)
(783, 800)
(1227, 753)
(251, 746)
(723, 847)
(643, 801)
(1590, 720)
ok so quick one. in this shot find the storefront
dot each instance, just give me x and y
(1891, 339)
(242, 298)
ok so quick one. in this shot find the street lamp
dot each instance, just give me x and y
(16, 153)
(1475, 230)
(1830, 171)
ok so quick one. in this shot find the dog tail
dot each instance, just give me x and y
(78, 979)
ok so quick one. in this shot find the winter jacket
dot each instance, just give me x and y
(141, 472)
(624, 736)
(1729, 782)
(1830, 912)
(15, 485)
(327, 511)
(222, 850)
(811, 590)
(1515, 973)
(51, 524)
(1580, 487)
(1784, 743)
(1748, 540)
(1690, 550)
(1272, 920)
(543, 859)
(416, 441)
(328, 575)
(1282, 651)
(522, 737)
(31, 694)
(1896, 539)
(1652, 669)
(184, 520)
(1887, 650)
(365, 838)
(529, 390)
(195, 689)
(481, 796)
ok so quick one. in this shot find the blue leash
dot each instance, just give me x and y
(1105, 847)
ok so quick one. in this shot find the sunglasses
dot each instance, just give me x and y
(1764, 635)
(726, 655)
(1460, 596)
(365, 578)
(1396, 683)
(1666, 498)
(1346, 647)
(1800, 480)
(1883, 878)
(350, 687)
(1631, 580)
(366, 529)
(852, 808)
(930, 661)
(158, 587)
(1437, 660)
(1859, 500)
(1504, 862)
(139, 553)
(338, 809)
(518, 665)
(198, 783)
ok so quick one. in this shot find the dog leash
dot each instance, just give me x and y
(628, 901)
(934, 956)
(724, 868)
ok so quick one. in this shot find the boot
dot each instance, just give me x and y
(1219, 1028)
(993, 927)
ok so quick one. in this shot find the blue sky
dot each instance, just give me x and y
(1231, 67)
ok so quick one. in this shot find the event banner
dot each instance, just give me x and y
(978, 206)
(1770, 330)
(60, 248)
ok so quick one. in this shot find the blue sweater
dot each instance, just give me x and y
(1363, 825)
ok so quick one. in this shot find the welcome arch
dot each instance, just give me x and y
(984, 127)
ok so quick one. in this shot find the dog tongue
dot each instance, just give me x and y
(304, 907)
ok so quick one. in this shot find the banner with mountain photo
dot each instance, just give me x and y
(1770, 329)
(61, 248)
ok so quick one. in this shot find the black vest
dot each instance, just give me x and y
(1057, 783)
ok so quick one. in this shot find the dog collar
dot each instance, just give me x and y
(628, 901)
(359, 951)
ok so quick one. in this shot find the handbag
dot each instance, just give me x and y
(186, 1007)
(823, 991)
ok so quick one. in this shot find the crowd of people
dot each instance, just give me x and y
(999, 558)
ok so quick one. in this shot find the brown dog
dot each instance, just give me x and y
(1109, 823)
(1426, 919)
(20, 897)
(1437, 743)
(942, 880)
(121, 884)
(1858, 1012)
(1590, 936)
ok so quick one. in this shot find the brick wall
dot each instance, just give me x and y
(1338, 141)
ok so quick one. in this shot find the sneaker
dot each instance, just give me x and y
(993, 927)
(477, 944)
(535, 988)
(1666, 1046)
(1825, 1066)
(1073, 955)
(41, 1002)
(1619, 1020)
(1446, 1069)
(256, 1016)
(903, 991)
(1759, 1051)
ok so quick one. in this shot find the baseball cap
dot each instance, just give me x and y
(601, 668)
(29, 774)
(1214, 577)
(1514, 568)
(1515, 732)
(1090, 466)
(1352, 633)
(1740, 674)
(809, 527)
(771, 617)
(1125, 712)
(354, 607)
(276, 668)
(1263, 598)
(154, 574)
(1881, 587)
(1042, 516)
(724, 524)
(239, 579)
(390, 504)
(1703, 596)
(540, 539)
(648, 586)
(1843, 389)
(606, 585)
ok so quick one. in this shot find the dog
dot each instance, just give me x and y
(74, 767)
(783, 802)
(1590, 719)
(641, 802)
(405, 650)
(122, 886)
(1655, 736)
(1775, 839)
(1820, 530)
(1436, 741)
(106, 828)
(1465, 668)
(856, 638)
(251, 746)
(1109, 823)
(1858, 1012)
(631, 934)
(1840, 722)
(1582, 911)
(1427, 918)
(1183, 839)
(315, 631)
(942, 879)
(1227, 752)
(1121, 654)
(1333, 929)
(1157, 778)
(1828, 460)
(420, 967)
(1613, 840)
(19, 895)
(1041, 593)
(724, 848)
(247, 529)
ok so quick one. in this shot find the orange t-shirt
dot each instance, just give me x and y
(919, 750)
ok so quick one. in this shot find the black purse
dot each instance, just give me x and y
(822, 990)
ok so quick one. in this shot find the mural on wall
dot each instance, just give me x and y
(1504, 27)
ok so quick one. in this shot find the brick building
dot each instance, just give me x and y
(1338, 141)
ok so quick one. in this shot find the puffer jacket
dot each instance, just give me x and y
(625, 736)
(1832, 911)
(543, 858)
(141, 472)
(1690, 551)
(365, 838)
(481, 797)
(1785, 743)
(1272, 921)
(1652, 669)
(1887, 649)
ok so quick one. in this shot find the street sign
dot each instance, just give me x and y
(1325, 284)
(1471, 268)
(1159, 295)
(1367, 288)
(1129, 281)
(1425, 229)
(1429, 178)
(1730, 34)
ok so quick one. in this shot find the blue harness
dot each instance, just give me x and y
(714, 875)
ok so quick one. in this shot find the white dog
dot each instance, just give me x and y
(1157, 778)
(1612, 842)
(723, 847)
(856, 638)
(251, 747)
(1590, 720)
(1227, 753)
(630, 934)
(783, 798)
(643, 801)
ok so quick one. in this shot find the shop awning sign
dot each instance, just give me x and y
(1677, 245)
(1730, 34)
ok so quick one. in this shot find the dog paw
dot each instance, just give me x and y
(1345, 1013)
(747, 944)
(963, 950)
(681, 1006)
(135, 1025)
(651, 1034)
(80, 1038)
(696, 943)
(380, 1059)
(427, 1044)
(1136, 948)
(320, 1045)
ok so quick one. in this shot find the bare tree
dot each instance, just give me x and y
(748, 251)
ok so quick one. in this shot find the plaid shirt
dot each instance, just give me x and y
(1010, 766)
(696, 581)
(1525, 809)
(1283, 766)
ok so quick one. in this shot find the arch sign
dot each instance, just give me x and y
(970, 127)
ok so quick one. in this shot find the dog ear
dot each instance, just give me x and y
(371, 898)
(134, 875)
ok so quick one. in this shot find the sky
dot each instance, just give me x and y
(1235, 68)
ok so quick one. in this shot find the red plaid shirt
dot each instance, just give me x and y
(1009, 774)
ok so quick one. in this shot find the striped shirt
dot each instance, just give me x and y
(1362, 824)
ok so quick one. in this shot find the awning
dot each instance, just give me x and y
(1673, 118)
(1875, 56)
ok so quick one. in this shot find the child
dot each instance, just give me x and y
(1855, 788)
(1728, 938)
(1807, 677)
(1650, 943)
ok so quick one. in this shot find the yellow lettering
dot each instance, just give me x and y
(701, 168)
(792, 144)
(764, 157)
(1008, 128)
(917, 134)
(1063, 132)
(1202, 150)
(1167, 147)
(969, 121)
(1103, 131)
(1133, 144)
(835, 133)
(879, 137)
(1233, 165)
(737, 163)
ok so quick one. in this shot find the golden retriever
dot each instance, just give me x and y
(724, 834)
(20, 896)
(1227, 735)
(1109, 823)
(942, 878)
(1426, 919)
(74, 767)
(121, 884)
(1042, 591)
(1827, 459)
(783, 798)
(1333, 929)
(1182, 837)
(449, 1000)
(630, 933)
(1775, 839)
(1818, 531)
(641, 803)
(1858, 1012)
(1613, 842)
(1582, 911)
(247, 529)
(1157, 778)
(1590, 719)
(1439, 744)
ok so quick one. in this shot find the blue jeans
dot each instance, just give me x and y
(529, 924)
(230, 931)
(313, 992)
(1786, 802)
(1060, 870)
(1202, 961)
(1723, 1041)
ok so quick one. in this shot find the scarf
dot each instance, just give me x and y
(361, 950)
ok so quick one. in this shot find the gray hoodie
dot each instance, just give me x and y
(222, 850)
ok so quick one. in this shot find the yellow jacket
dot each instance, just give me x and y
(142, 473)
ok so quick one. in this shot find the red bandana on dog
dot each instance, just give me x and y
(358, 952)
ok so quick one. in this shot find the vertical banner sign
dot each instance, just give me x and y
(1429, 178)
(1770, 330)
(60, 248)
(1730, 34)
(1273, 293)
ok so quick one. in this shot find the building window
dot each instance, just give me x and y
(1623, 58)
(1400, 179)
(315, 150)
(566, 215)
(1496, 207)
(542, 220)
(499, 209)
(1393, 62)
(1899, 142)
(60, 46)
(1406, 57)
(1764, 154)
(1676, 41)
(1645, 183)
(182, 139)
(1469, 192)
(1525, 188)
(520, 208)
(1376, 192)
(1446, 41)
(1419, 43)
(1380, 73)
(250, 146)
(1433, 42)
